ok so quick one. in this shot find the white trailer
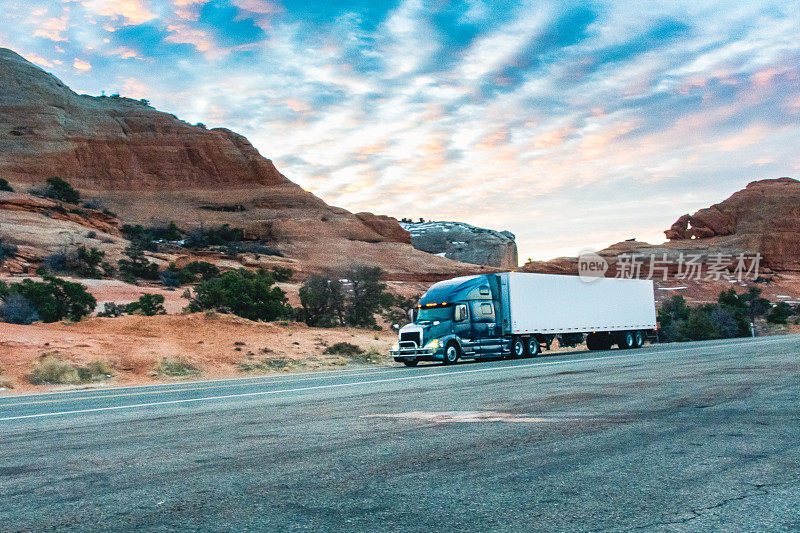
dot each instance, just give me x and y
(554, 304)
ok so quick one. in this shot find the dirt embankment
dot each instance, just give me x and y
(216, 345)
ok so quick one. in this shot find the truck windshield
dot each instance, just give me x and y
(435, 313)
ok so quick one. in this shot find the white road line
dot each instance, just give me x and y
(629, 355)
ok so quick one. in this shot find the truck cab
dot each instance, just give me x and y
(457, 318)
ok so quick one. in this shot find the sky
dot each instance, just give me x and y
(571, 124)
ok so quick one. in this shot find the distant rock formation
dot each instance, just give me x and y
(764, 217)
(464, 242)
(385, 226)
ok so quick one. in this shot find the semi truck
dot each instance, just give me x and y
(515, 314)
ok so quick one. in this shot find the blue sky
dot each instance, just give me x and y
(571, 124)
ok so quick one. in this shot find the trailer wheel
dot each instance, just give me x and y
(626, 340)
(638, 339)
(450, 353)
(411, 362)
(592, 342)
(518, 348)
(533, 347)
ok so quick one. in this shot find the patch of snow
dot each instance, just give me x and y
(672, 288)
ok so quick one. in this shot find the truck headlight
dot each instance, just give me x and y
(395, 346)
(433, 345)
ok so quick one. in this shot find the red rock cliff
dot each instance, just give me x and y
(150, 167)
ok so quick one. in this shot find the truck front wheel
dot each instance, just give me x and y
(450, 353)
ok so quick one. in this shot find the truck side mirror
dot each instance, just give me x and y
(411, 314)
(460, 313)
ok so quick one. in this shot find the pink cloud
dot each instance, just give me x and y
(133, 11)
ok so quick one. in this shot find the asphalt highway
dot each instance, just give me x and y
(682, 437)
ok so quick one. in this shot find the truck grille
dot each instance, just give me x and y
(413, 336)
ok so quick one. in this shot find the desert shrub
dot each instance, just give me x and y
(175, 366)
(4, 383)
(282, 274)
(94, 371)
(755, 305)
(322, 301)
(367, 295)
(198, 271)
(725, 323)
(780, 313)
(147, 238)
(269, 364)
(730, 317)
(255, 248)
(56, 299)
(248, 294)
(699, 325)
(112, 310)
(51, 370)
(170, 278)
(371, 357)
(325, 302)
(7, 251)
(4, 186)
(343, 348)
(87, 262)
(16, 309)
(396, 308)
(99, 368)
(58, 189)
(148, 305)
(223, 235)
(56, 262)
(94, 203)
(137, 266)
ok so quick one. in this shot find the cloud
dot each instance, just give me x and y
(132, 11)
(570, 124)
(52, 29)
(183, 34)
(81, 65)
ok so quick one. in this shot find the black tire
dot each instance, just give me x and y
(451, 353)
(592, 342)
(518, 348)
(638, 339)
(411, 363)
(625, 340)
(533, 348)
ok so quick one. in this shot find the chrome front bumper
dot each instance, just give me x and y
(411, 352)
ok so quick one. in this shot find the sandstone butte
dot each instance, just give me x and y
(763, 218)
(150, 167)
